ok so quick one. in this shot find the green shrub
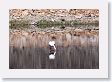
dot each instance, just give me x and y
(18, 24)
(47, 23)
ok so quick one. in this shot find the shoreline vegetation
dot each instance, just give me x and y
(13, 24)
(42, 18)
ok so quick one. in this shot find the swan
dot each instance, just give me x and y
(52, 51)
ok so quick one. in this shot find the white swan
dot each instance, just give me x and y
(52, 55)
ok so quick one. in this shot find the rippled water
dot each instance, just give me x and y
(73, 52)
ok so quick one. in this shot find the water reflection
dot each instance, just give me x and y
(74, 50)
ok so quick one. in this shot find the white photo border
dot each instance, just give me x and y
(102, 72)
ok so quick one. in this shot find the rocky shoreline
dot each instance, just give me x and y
(35, 15)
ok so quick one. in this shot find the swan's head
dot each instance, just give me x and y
(52, 43)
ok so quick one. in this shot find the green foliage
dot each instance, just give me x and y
(18, 23)
(47, 23)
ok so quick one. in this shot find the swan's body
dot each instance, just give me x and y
(52, 51)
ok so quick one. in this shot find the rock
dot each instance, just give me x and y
(48, 14)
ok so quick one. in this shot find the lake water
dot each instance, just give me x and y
(72, 51)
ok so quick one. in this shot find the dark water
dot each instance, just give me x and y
(72, 57)
(79, 53)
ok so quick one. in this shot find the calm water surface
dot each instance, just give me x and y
(73, 52)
